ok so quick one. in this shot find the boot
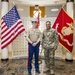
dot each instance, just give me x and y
(52, 72)
(46, 70)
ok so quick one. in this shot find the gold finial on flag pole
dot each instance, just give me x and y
(63, 5)
(13, 3)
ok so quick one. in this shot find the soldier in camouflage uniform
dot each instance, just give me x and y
(49, 44)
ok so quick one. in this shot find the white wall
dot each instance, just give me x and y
(50, 13)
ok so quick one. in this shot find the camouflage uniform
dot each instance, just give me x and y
(49, 43)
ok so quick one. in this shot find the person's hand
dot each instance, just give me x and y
(34, 44)
(54, 48)
(42, 47)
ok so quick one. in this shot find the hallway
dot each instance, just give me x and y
(19, 67)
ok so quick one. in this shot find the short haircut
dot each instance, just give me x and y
(48, 21)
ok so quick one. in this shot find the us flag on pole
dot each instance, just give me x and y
(11, 27)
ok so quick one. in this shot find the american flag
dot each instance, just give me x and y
(38, 17)
(11, 27)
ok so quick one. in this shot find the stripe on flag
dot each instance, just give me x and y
(11, 27)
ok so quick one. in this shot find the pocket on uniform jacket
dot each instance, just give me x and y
(48, 46)
(52, 45)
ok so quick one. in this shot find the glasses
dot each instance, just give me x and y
(34, 21)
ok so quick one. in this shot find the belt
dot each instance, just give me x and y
(34, 41)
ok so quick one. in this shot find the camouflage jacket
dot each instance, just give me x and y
(49, 39)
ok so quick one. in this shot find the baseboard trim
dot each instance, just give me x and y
(71, 60)
(5, 59)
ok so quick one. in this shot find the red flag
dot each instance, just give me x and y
(11, 27)
(38, 17)
(64, 27)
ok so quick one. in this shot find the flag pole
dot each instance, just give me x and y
(63, 5)
(10, 45)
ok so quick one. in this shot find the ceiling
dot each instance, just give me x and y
(38, 2)
(21, 4)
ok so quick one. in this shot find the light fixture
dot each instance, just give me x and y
(55, 9)
(20, 9)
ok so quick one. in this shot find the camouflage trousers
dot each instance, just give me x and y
(49, 58)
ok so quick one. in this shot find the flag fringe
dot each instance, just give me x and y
(65, 48)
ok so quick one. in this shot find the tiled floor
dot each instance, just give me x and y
(19, 67)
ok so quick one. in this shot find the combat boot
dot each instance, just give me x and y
(46, 70)
(52, 72)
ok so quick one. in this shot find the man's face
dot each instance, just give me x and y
(34, 23)
(48, 25)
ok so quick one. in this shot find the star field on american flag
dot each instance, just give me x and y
(11, 17)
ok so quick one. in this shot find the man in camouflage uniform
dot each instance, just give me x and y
(49, 44)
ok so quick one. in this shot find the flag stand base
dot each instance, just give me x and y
(71, 60)
(4, 59)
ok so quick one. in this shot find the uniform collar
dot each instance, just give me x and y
(48, 29)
